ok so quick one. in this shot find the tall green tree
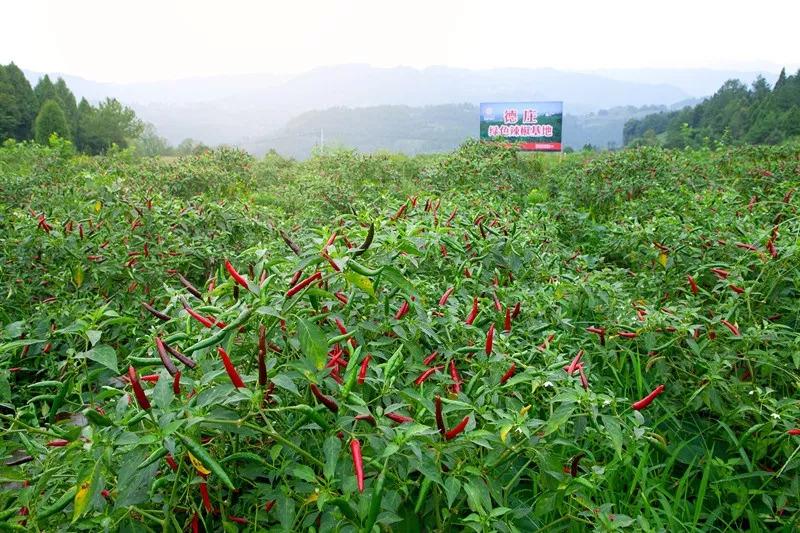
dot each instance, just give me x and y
(51, 119)
(45, 90)
(109, 123)
(67, 101)
(18, 105)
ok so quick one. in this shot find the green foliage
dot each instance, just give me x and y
(736, 113)
(110, 123)
(18, 104)
(588, 240)
(50, 120)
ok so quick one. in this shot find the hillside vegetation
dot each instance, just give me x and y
(736, 114)
(476, 340)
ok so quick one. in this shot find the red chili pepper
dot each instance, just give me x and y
(584, 380)
(720, 273)
(507, 323)
(489, 339)
(340, 326)
(455, 377)
(165, 359)
(425, 375)
(399, 212)
(497, 305)
(437, 402)
(452, 216)
(159, 315)
(171, 462)
(445, 296)
(180, 357)
(195, 523)
(627, 334)
(238, 519)
(453, 433)
(176, 383)
(644, 402)
(206, 500)
(330, 241)
(197, 316)
(733, 329)
(269, 505)
(794, 432)
(341, 297)
(400, 419)
(515, 312)
(402, 310)
(745, 246)
(466, 273)
(474, 312)
(428, 360)
(57, 443)
(362, 372)
(327, 401)
(235, 275)
(295, 278)
(736, 289)
(331, 262)
(358, 464)
(303, 284)
(138, 391)
(367, 418)
(230, 369)
(574, 364)
(771, 248)
(510, 372)
(692, 284)
(547, 342)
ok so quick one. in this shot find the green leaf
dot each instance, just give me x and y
(133, 483)
(452, 487)
(87, 489)
(312, 342)
(162, 392)
(331, 449)
(614, 432)
(396, 278)
(105, 355)
(94, 336)
(303, 472)
(360, 281)
(285, 382)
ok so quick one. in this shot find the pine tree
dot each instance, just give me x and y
(51, 119)
(18, 105)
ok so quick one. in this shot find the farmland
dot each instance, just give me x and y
(379, 342)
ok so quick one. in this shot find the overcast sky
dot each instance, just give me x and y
(109, 40)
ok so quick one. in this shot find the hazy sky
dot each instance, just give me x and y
(109, 40)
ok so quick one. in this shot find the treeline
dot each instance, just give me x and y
(735, 114)
(51, 108)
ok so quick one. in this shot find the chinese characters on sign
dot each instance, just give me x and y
(535, 126)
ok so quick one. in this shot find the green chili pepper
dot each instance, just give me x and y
(344, 506)
(221, 334)
(358, 268)
(205, 458)
(58, 401)
(155, 456)
(423, 493)
(97, 419)
(59, 504)
(377, 497)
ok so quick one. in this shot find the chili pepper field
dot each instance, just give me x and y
(477, 340)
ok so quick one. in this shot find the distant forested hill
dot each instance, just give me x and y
(424, 129)
(758, 114)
